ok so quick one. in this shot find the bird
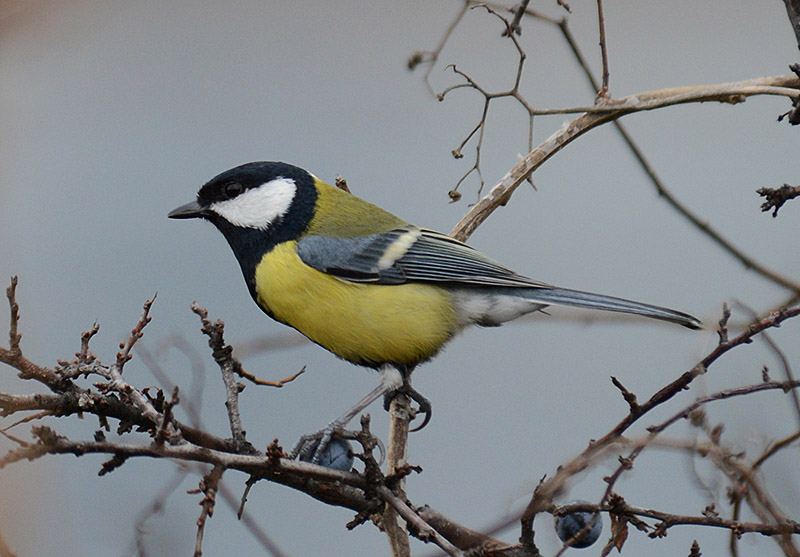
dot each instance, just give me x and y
(364, 284)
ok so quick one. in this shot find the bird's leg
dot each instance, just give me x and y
(405, 388)
(390, 380)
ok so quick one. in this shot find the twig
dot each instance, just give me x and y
(457, 534)
(514, 92)
(125, 347)
(223, 355)
(279, 383)
(673, 388)
(192, 402)
(114, 374)
(787, 368)
(666, 195)
(423, 530)
(163, 433)
(602, 93)
(431, 57)
(752, 489)
(13, 336)
(225, 352)
(208, 486)
(776, 197)
(786, 85)
(518, 12)
(255, 528)
(696, 221)
(550, 488)
(626, 463)
(85, 356)
(669, 520)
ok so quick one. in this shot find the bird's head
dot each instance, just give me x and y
(256, 206)
(256, 196)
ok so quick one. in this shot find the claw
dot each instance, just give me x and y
(311, 446)
(424, 404)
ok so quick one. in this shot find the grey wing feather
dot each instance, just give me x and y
(432, 257)
(439, 258)
(352, 259)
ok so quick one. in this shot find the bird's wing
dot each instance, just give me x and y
(406, 255)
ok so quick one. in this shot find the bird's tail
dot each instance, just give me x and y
(576, 298)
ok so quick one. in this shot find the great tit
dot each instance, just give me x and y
(364, 284)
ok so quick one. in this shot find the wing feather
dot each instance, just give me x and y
(431, 257)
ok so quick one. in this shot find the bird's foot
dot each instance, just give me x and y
(312, 446)
(425, 406)
(330, 446)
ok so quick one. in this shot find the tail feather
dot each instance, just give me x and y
(576, 298)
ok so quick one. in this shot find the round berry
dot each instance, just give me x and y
(569, 525)
(337, 455)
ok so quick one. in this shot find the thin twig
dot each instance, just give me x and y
(665, 194)
(279, 383)
(787, 368)
(13, 336)
(223, 355)
(518, 12)
(208, 486)
(424, 530)
(602, 93)
(696, 221)
(550, 488)
(117, 383)
(725, 92)
(626, 463)
(432, 56)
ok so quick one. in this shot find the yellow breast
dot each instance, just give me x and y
(367, 324)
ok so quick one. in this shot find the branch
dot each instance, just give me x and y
(397, 447)
(786, 85)
(602, 93)
(209, 486)
(663, 192)
(668, 520)
(547, 490)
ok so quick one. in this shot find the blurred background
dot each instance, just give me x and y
(114, 113)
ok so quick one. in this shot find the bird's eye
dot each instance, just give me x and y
(232, 189)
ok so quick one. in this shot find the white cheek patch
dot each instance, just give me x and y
(258, 207)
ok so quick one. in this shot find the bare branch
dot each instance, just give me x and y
(423, 530)
(786, 85)
(518, 12)
(209, 486)
(13, 336)
(602, 93)
(549, 489)
(223, 355)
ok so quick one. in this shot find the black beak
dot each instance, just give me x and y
(191, 210)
